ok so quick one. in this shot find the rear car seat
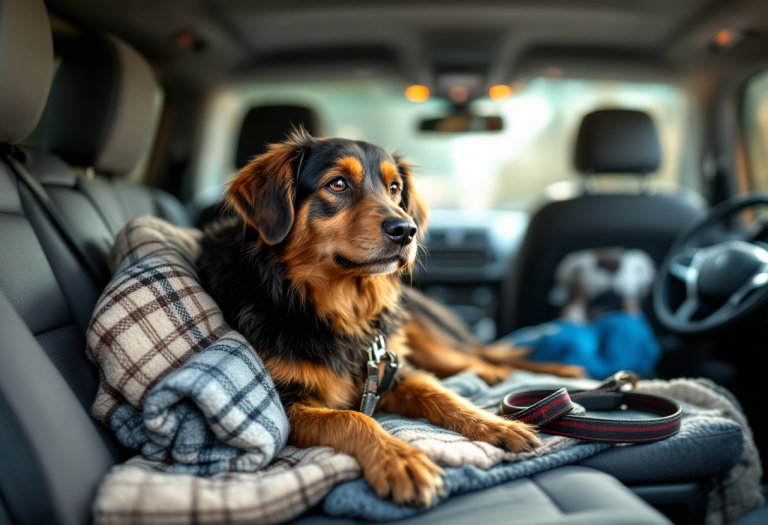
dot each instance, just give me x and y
(99, 117)
(52, 454)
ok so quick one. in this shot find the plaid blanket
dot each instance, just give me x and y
(197, 412)
(190, 394)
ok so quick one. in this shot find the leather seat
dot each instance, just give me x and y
(564, 496)
(609, 142)
(100, 118)
(52, 454)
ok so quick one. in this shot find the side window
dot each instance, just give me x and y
(755, 120)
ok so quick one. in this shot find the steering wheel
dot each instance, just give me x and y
(723, 283)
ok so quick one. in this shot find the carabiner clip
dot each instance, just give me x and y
(618, 382)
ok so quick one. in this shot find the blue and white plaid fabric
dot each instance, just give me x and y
(178, 384)
(217, 413)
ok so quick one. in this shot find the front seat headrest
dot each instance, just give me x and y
(26, 66)
(271, 124)
(617, 141)
(101, 111)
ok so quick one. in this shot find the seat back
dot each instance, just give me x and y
(609, 141)
(101, 118)
(264, 125)
(112, 89)
(52, 454)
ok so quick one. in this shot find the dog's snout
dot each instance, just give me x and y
(398, 230)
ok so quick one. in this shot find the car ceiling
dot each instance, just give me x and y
(241, 39)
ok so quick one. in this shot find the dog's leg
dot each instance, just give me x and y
(504, 354)
(430, 351)
(443, 345)
(556, 369)
(419, 395)
(390, 466)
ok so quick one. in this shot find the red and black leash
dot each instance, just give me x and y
(553, 412)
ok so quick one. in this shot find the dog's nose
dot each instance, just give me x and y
(400, 231)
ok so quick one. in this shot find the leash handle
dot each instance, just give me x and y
(553, 411)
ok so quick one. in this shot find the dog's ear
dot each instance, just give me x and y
(411, 200)
(262, 193)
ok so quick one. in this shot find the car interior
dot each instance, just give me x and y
(539, 128)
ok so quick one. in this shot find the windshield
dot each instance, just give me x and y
(504, 170)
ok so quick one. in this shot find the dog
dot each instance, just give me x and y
(308, 270)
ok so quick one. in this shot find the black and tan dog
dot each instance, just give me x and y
(309, 271)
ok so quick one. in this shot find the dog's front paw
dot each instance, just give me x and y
(505, 433)
(403, 473)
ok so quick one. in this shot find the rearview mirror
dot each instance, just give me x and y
(462, 123)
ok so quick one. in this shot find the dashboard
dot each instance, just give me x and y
(465, 256)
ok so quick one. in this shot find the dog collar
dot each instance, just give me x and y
(374, 389)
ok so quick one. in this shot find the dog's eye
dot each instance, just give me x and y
(337, 185)
(394, 189)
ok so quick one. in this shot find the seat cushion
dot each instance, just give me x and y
(567, 495)
(705, 448)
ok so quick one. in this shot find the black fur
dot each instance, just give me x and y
(255, 297)
(246, 277)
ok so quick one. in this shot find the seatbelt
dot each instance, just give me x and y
(553, 411)
(42, 196)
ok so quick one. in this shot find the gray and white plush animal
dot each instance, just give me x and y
(591, 282)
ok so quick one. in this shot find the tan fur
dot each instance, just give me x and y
(419, 395)
(352, 167)
(388, 172)
(431, 351)
(320, 382)
(261, 192)
(347, 301)
(391, 467)
(417, 209)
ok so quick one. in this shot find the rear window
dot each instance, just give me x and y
(755, 120)
(479, 170)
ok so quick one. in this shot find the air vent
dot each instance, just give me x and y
(457, 258)
(457, 248)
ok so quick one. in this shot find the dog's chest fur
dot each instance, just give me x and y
(302, 352)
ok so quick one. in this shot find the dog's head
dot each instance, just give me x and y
(332, 203)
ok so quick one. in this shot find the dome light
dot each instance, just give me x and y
(417, 93)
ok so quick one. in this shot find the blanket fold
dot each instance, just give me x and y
(188, 393)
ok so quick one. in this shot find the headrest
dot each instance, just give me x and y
(26, 66)
(271, 124)
(617, 141)
(102, 106)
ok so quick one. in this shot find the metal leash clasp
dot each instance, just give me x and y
(621, 381)
(374, 389)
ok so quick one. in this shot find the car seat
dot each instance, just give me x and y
(614, 141)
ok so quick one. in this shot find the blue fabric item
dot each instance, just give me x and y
(612, 342)
(219, 412)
